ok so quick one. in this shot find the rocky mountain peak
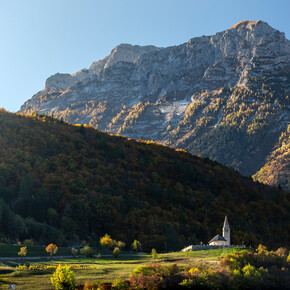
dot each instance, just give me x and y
(122, 52)
(248, 24)
(257, 29)
(182, 95)
(59, 82)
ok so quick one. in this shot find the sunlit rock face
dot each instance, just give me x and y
(185, 95)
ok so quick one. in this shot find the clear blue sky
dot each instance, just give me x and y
(42, 37)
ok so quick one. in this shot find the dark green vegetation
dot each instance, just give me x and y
(62, 183)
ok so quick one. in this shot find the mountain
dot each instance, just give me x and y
(224, 96)
(60, 182)
(276, 171)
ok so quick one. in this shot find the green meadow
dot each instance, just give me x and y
(97, 270)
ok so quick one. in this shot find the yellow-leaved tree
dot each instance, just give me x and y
(22, 252)
(51, 249)
(136, 246)
(106, 241)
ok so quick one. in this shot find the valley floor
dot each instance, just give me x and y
(100, 270)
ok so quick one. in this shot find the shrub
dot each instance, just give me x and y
(88, 251)
(248, 276)
(194, 271)
(262, 258)
(28, 242)
(154, 254)
(22, 252)
(121, 244)
(204, 281)
(144, 282)
(156, 269)
(145, 270)
(261, 249)
(282, 252)
(118, 284)
(203, 276)
(91, 286)
(136, 246)
(74, 251)
(116, 252)
(237, 260)
(63, 278)
(156, 276)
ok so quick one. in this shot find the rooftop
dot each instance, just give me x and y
(217, 238)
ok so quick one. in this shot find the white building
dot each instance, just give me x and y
(224, 240)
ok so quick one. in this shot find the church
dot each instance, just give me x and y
(216, 242)
(224, 240)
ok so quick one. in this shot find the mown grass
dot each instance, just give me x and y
(209, 254)
(107, 268)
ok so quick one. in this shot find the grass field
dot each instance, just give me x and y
(98, 270)
(32, 251)
(38, 251)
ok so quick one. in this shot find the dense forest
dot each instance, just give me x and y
(62, 183)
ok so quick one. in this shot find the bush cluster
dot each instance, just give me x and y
(241, 270)
(63, 278)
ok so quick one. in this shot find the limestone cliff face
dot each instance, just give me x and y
(57, 84)
(185, 95)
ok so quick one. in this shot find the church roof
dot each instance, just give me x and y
(217, 238)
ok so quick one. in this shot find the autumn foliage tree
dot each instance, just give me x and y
(116, 252)
(51, 249)
(121, 244)
(107, 241)
(22, 252)
(74, 251)
(136, 246)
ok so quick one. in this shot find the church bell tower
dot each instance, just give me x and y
(227, 232)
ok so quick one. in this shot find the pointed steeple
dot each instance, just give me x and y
(226, 231)
(226, 223)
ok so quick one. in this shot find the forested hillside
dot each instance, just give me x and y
(61, 182)
(238, 127)
(276, 171)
